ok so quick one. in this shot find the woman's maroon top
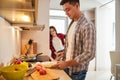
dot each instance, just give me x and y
(62, 37)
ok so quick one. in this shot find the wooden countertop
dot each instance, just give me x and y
(62, 75)
(55, 72)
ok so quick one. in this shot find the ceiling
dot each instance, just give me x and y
(84, 4)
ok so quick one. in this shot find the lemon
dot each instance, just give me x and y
(25, 64)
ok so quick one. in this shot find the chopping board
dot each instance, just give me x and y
(49, 76)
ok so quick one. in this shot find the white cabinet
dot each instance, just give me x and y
(90, 15)
(19, 11)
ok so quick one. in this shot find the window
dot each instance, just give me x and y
(59, 23)
(59, 20)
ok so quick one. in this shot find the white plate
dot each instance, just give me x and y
(48, 64)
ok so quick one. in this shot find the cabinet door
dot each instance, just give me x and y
(90, 15)
(19, 11)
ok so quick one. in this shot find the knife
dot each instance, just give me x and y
(30, 71)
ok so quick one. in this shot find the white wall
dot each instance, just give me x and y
(104, 19)
(8, 39)
(117, 25)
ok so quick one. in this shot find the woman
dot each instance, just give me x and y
(27, 48)
(57, 41)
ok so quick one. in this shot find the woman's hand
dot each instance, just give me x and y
(59, 55)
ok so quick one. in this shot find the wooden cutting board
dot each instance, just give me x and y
(49, 76)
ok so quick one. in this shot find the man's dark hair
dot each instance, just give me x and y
(70, 1)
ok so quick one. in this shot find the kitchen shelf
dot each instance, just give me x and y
(15, 9)
(19, 11)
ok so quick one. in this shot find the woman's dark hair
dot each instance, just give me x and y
(52, 27)
(30, 41)
(70, 1)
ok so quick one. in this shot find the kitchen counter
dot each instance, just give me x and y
(52, 74)
(60, 73)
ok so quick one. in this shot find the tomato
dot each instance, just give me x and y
(41, 69)
(17, 61)
(42, 72)
(38, 68)
(16, 69)
(39, 65)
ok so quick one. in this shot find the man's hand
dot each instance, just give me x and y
(60, 65)
(65, 64)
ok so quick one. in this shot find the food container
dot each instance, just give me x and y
(13, 72)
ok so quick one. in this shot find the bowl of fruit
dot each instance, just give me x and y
(14, 72)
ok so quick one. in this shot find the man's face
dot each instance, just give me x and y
(70, 10)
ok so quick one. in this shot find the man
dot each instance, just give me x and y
(80, 42)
